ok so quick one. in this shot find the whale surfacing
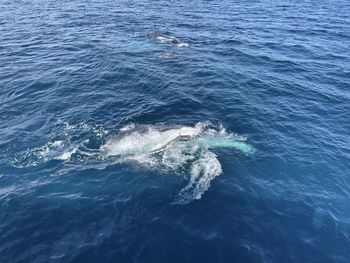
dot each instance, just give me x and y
(166, 39)
(181, 149)
(150, 139)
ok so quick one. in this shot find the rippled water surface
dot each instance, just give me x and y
(174, 131)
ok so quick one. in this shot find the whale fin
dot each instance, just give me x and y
(229, 143)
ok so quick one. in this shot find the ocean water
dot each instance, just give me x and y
(174, 131)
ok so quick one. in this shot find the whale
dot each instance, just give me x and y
(190, 151)
(147, 139)
(166, 39)
(152, 139)
(182, 149)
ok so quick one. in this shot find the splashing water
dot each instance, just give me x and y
(68, 143)
(184, 150)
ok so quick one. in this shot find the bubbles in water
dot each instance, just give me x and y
(67, 142)
(202, 172)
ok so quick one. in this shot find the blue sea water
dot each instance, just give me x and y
(74, 73)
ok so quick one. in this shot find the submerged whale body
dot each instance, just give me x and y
(150, 139)
(182, 149)
(147, 139)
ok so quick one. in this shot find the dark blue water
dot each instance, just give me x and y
(72, 73)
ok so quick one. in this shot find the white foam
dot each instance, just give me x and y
(202, 172)
(66, 155)
(127, 127)
(178, 155)
(182, 45)
(172, 40)
(65, 142)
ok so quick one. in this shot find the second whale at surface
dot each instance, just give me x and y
(166, 39)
